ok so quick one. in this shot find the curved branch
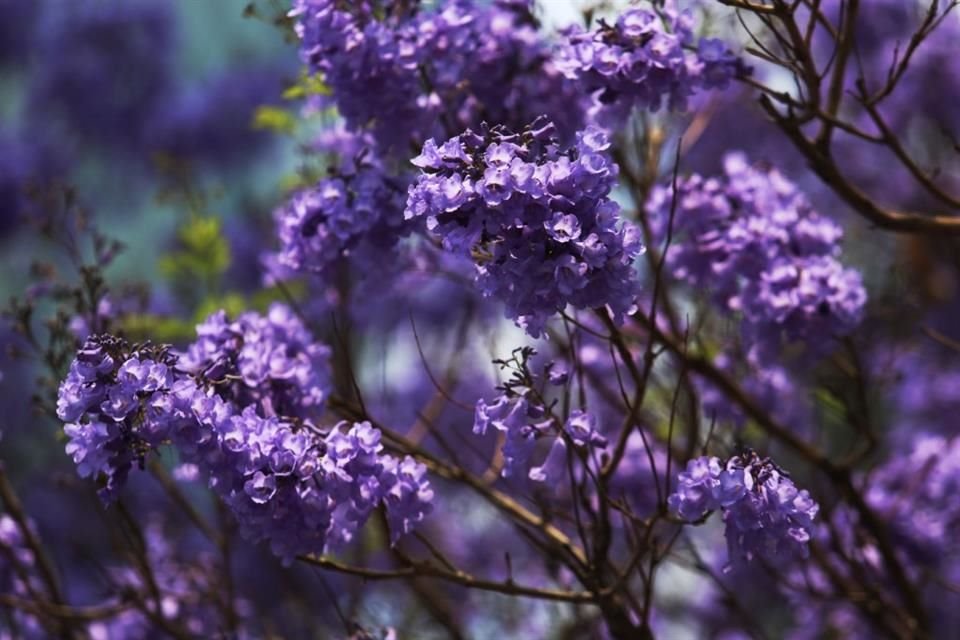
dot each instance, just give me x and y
(823, 164)
(424, 569)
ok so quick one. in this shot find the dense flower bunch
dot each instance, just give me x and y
(354, 212)
(410, 73)
(271, 360)
(644, 58)
(754, 240)
(119, 402)
(306, 492)
(231, 405)
(764, 513)
(536, 218)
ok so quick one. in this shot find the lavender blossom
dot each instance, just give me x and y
(355, 213)
(231, 407)
(408, 73)
(536, 218)
(764, 513)
(120, 402)
(520, 414)
(754, 240)
(644, 59)
(271, 360)
(308, 493)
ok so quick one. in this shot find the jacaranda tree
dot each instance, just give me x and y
(644, 326)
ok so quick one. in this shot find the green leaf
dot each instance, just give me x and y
(306, 86)
(202, 257)
(274, 119)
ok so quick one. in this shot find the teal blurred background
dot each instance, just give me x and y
(133, 103)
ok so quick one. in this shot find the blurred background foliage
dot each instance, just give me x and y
(165, 118)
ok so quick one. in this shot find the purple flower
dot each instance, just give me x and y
(764, 513)
(270, 360)
(119, 405)
(535, 218)
(219, 405)
(407, 494)
(405, 72)
(697, 488)
(519, 420)
(525, 422)
(582, 429)
(754, 240)
(355, 214)
(644, 59)
(554, 467)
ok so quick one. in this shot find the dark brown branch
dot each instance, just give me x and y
(424, 569)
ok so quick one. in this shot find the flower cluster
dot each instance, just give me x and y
(356, 212)
(536, 218)
(764, 513)
(233, 406)
(271, 360)
(754, 240)
(306, 492)
(643, 59)
(409, 73)
(119, 402)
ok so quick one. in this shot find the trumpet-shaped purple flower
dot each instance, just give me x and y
(407, 73)
(302, 488)
(271, 360)
(753, 238)
(305, 492)
(119, 402)
(764, 513)
(644, 59)
(520, 415)
(536, 219)
(355, 213)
